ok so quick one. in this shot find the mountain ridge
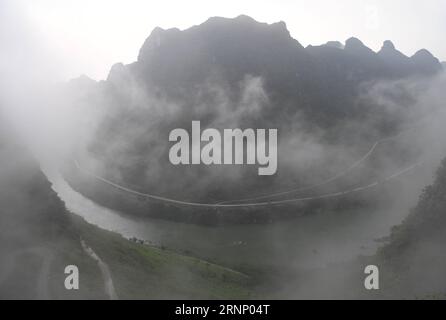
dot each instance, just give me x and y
(216, 29)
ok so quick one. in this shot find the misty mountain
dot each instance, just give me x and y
(240, 73)
(318, 79)
(359, 132)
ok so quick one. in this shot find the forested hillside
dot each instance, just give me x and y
(414, 256)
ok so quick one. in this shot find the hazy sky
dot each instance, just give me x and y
(88, 36)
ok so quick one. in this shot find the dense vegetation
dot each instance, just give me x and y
(414, 257)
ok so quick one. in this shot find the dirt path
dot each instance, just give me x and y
(106, 274)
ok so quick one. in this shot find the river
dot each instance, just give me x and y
(309, 241)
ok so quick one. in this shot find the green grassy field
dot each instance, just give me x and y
(140, 271)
